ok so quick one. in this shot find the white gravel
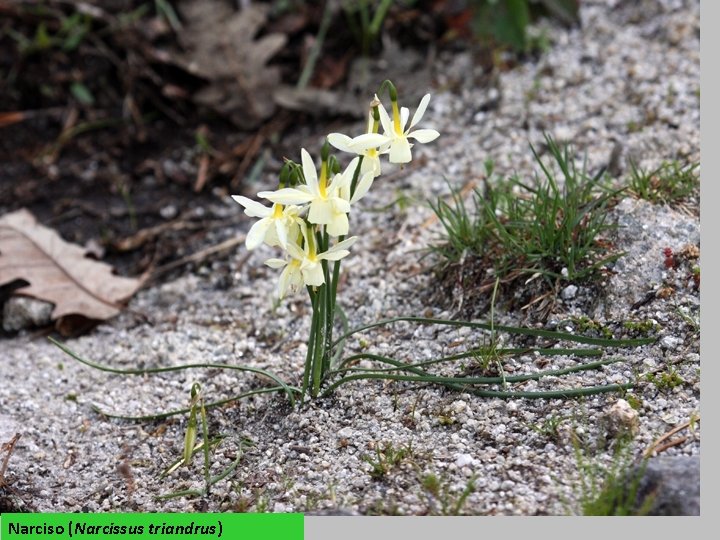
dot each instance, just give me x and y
(630, 76)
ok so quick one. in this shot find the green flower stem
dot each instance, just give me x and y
(356, 176)
(319, 351)
(289, 390)
(309, 358)
(206, 445)
(509, 329)
(329, 316)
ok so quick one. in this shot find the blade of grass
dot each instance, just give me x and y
(479, 351)
(465, 381)
(504, 394)
(168, 414)
(397, 365)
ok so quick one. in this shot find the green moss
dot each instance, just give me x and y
(665, 381)
(634, 401)
(586, 325)
(641, 328)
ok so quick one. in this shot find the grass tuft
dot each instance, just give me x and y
(386, 459)
(669, 183)
(552, 227)
(612, 490)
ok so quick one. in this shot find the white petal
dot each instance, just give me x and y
(344, 179)
(309, 171)
(340, 205)
(271, 237)
(344, 192)
(424, 135)
(369, 140)
(291, 212)
(313, 275)
(256, 234)
(345, 244)
(385, 120)
(339, 226)
(321, 212)
(371, 164)
(350, 169)
(420, 110)
(334, 255)
(295, 252)
(276, 263)
(252, 208)
(341, 142)
(294, 278)
(404, 114)
(286, 196)
(363, 186)
(400, 151)
(282, 232)
(284, 281)
(339, 181)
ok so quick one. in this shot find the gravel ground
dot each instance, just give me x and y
(628, 84)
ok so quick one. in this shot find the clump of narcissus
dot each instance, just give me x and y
(309, 217)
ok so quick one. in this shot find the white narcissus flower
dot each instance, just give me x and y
(369, 145)
(363, 185)
(304, 267)
(275, 226)
(399, 150)
(327, 207)
(290, 278)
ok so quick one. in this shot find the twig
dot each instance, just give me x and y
(669, 444)
(251, 152)
(202, 174)
(655, 448)
(135, 241)
(197, 257)
(7, 447)
(8, 118)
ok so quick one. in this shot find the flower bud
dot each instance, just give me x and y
(392, 91)
(285, 174)
(190, 436)
(333, 165)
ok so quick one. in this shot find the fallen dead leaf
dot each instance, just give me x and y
(319, 102)
(59, 272)
(221, 47)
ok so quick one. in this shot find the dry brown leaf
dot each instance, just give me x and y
(220, 46)
(58, 271)
(319, 102)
